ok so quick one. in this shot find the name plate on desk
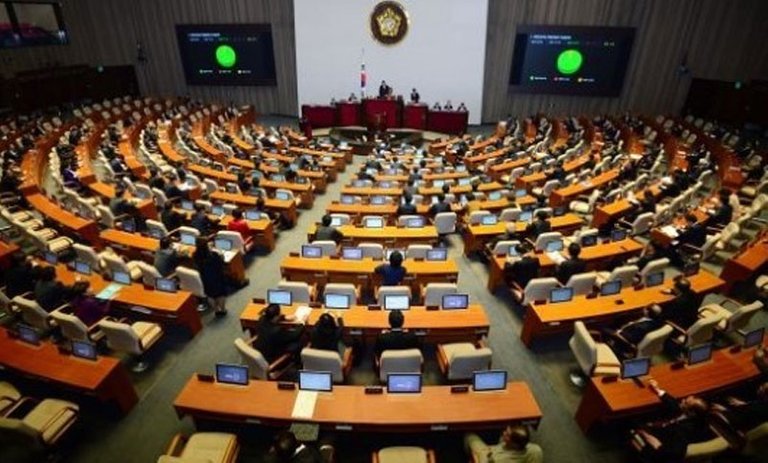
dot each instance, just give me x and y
(438, 427)
(344, 427)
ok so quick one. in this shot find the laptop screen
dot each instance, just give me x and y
(699, 354)
(437, 254)
(84, 350)
(82, 267)
(491, 380)
(374, 222)
(618, 235)
(279, 296)
(321, 381)
(555, 246)
(187, 238)
(227, 373)
(28, 334)
(561, 294)
(489, 220)
(455, 301)
(385, 184)
(415, 222)
(558, 211)
(336, 301)
(166, 285)
(188, 205)
(312, 252)
(403, 383)
(51, 257)
(610, 287)
(465, 181)
(754, 338)
(438, 183)
(121, 277)
(223, 244)
(635, 368)
(396, 302)
(352, 253)
(654, 279)
(588, 240)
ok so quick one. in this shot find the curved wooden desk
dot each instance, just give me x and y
(476, 236)
(399, 237)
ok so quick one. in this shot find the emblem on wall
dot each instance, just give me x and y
(389, 22)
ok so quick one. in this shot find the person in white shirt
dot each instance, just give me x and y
(513, 447)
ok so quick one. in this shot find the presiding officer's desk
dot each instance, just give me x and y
(105, 378)
(607, 401)
(547, 318)
(597, 257)
(476, 236)
(349, 408)
(396, 236)
(362, 323)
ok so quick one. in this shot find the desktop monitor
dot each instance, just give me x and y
(155, 233)
(336, 221)
(253, 214)
(654, 279)
(223, 244)
(187, 238)
(217, 209)
(320, 381)
(277, 178)
(121, 277)
(128, 225)
(28, 334)
(437, 254)
(491, 380)
(188, 205)
(559, 211)
(282, 196)
(378, 200)
(51, 257)
(165, 285)
(520, 192)
(337, 301)
(465, 181)
(279, 296)
(396, 302)
(438, 183)
(84, 350)
(634, 368)
(555, 246)
(374, 222)
(82, 267)
(312, 252)
(347, 200)
(489, 220)
(455, 301)
(415, 222)
(610, 288)
(618, 235)
(494, 196)
(754, 338)
(588, 240)
(404, 383)
(699, 354)
(385, 184)
(560, 294)
(526, 216)
(691, 268)
(351, 253)
(227, 373)
(388, 252)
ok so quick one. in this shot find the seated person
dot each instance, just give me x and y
(683, 310)
(440, 206)
(240, 225)
(723, 215)
(86, 306)
(538, 226)
(652, 251)
(327, 333)
(625, 337)
(201, 222)
(327, 232)
(514, 446)
(407, 208)
(395, 338)
(21, 275)
(287, 449)
(50, 293)
(273, 339)
(571, 266)
(694, 233)
(393, 273)
(170, 218)
(744, 415)
(519, 271)
(166, 257)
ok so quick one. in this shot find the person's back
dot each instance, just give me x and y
(327, 333)
(524, 269)
(571, 266)
(200, 222)
(326, 232)
(396, 338)
(273, 339)
(166, 259)
(19, 278)
(49, 293)
(171, 219)
(393, 273)
(538, 226)
(239, 224)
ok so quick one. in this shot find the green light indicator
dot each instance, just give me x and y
(226, 56)
(569, 61)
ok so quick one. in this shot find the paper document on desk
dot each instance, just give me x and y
(110, 291)
(228, 255)
(304, 406)
(556, 257)
(670, 231)
(302, 314)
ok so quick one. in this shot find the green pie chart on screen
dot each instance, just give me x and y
(569, 61)
(226, 56)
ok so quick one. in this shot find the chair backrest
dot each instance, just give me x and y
(625, 274)
(392, 291)
(300, 292)
(18, 433)
(149, 274)
(653, 342)
(258, 366)
(463, 364)
(538, 289)
(121, 337)
(476, 217)
(417, 251)
(156, 229)
(328, 248)
(32, 314)
(582, 234)
(323, 360)
(115, 264)
(741, 317)
(400, 361)
(235, 237)
(642, 223)
(702, 331)
(343, 218)
(189, 280)
(160, 197)
(510, 214)
(402, 221)
(347, 289)
(445, 222)
(434, 292)
(584, 348)
(582, 283)
(656, 265)
(107, 217)
(71, 326)
(544, 238)
(372, 250)
(501, 248)
(87, 254)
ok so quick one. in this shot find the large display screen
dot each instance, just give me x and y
(570, 60)
(28, 24)
(227, 54)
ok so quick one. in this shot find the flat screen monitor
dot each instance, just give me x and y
(610, 288)
(217, 209)
(415, 222)
(51, 257)
(588, 240)
(526, 216)
(634, 368)
(520, 192)
(455, 301)
(337, 301)
(128, 225)
(165, 285)
(155, 233)
(227, 373)
(489, 220)
(404, 383)
(396, 302)
(84, 350)
(336, 221)
(122, 278)
(491, 380)
(494, 196)
(465, 181)
(559, 211)
(385, 184)
(618, 235)
(437, 254)
(311, 252)
(277, 178)
(347, 200)
(320, 381)
(187, 205)
(28, 334)
(699, 354)
(438, 183)
(227, 54)
(282, 196)
(223, 244)
(555, 246)
(754, 338)
(82, 267)
(187, 238)
(654, 279)
(374, 222)
(253, 214)
(279, 296)
(351, 253)
(570, 60)
(378, 200)
(560, 295)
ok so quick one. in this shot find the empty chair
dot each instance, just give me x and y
(544, 238)
(503, 247)
(732, 322)
(582, 235)
(594, 358)
(326, 360)
(189, 280)
(74, 329)
(32, 314)
(156, 229)
(372, 250)
(346, 289)
(651, 344)
(476, 217)
(88, 255)
(211, 447)
(134, 339)
(328, 248)
(365, 219)
(582, 283)
(417, 251)
(149, 274)
(445, 222)
(538, 289)
(238, 243)
(699, 333)
(301, 292)
(38, 425)
(115, 263)
(402, 454)
(433, 293)
(399, 361)
(458, 361)
(510, 214)
(642, 224)
(402, 221)
(258, 367)
(626, 274)
(392, 291)
(656, 265)
(8, 396)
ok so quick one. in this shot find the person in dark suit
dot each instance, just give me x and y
(287, 449)
(440, 206)
(273, 339)
(558, 173)
(327, 333)
(538, 226)
(744, 415)
(407, 208)
(201, 222)
(383, 89)
(572, 265)
(395, 338)
(170, 218)
(212, 270)
(21, 276)
(50, 293)
(683, 310)
(327, 232)
(393, 273)
(694, 233)
(415, 97)
(522, 270)
(166, 258)
(625, 337)
(724, 212)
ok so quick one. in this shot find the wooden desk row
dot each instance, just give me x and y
(746, 264)
(431, 191)
(358, 210)
(286, 208)
(475, 236)
(392, 236)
